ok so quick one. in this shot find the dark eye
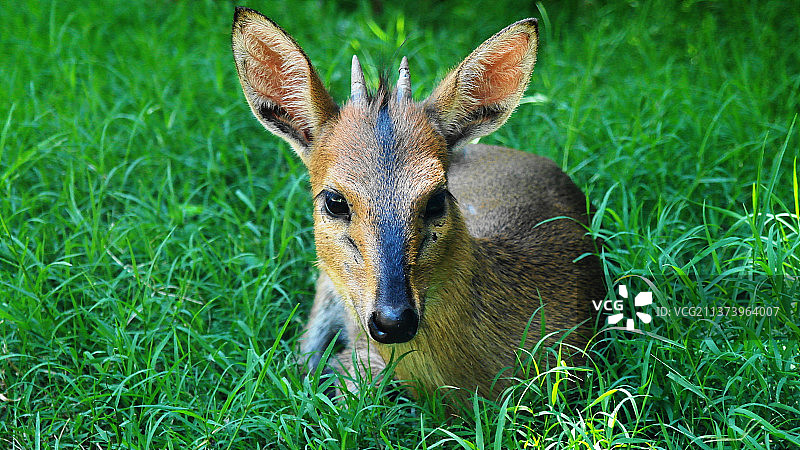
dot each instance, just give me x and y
(336, 205)
(436, 205)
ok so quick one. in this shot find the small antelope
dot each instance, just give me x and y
(429, 247)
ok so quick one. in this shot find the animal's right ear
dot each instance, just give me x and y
(279, 82)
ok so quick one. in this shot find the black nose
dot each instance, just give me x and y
(393, 326)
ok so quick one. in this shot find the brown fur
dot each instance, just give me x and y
(509, 251)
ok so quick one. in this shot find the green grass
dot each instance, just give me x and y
(156, 249)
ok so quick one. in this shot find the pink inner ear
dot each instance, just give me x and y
(278, 73)
(264, 71)
(502, 71)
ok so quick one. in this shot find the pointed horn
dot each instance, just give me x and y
(358, 88)
(404, 81)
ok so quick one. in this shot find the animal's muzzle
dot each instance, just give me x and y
(393, 325)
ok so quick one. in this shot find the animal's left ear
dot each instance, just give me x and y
(280, 84)
(477, 97)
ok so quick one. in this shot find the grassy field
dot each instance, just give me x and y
(156, 247)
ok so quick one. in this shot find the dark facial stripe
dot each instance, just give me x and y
(392, 281)
(393, 291)
(387, 142)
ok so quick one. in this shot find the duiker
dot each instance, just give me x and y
(429, 247)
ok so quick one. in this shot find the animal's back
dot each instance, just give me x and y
(531, 223)
(507, 193)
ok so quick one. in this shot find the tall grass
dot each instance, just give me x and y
(156, 252)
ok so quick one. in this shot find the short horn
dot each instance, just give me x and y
(404, 81)
(358, 88)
